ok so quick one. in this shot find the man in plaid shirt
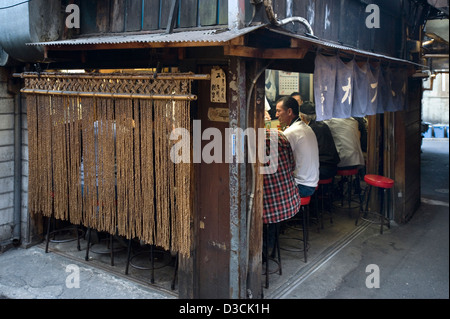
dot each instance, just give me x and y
(281, 196)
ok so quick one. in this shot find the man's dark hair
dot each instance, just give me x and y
(297, 93)
(289, 103)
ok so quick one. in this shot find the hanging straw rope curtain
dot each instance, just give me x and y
(99, 153)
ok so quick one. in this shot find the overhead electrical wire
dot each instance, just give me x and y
(15, 5)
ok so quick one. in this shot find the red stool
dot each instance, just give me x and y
(384, 184)
(304, 211)
(347, 177)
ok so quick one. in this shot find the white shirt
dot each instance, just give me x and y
(306, 153)
(347, 139)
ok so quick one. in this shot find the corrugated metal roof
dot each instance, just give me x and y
(340, 47)
(208, 36)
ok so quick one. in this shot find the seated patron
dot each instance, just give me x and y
(328, 154)
(281, 199)
(304, 145)
(298, 97)
(347, 139)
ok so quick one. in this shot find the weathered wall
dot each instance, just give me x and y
(435, 102)
(7, 154)
(6, 159)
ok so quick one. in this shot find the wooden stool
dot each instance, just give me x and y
(384, 184)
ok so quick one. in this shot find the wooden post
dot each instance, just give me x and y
(254, 275)
(238, 187)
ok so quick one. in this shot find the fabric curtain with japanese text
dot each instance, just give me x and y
(345, 89)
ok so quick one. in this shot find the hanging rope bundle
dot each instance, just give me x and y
(106, 177)
(89, 184)
(73, 145)
(99, 154)
(59, 159)
(147, 175)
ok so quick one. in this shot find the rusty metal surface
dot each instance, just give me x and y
(340, 47)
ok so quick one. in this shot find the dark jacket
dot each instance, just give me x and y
(328, 154)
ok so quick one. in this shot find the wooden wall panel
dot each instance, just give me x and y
(327, 15)
(208, 12)
(279, 7)
(407, 161)
(351, 22)
(103, 15)
(151, 14)
(88, 18)
(133, 15)
(188, 13)
(117, 20)
(223, 12)
(165, 12)
(213, 211)
(256, 236)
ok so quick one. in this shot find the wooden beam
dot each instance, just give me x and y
(249, 52)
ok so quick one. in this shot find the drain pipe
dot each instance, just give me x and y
(272, 18)
(17, 169)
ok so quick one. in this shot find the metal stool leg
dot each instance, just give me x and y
(175, 273)
(47, 237)
(266, 252)
(152, 279)
(277, 234)
(305, 232)
(128, 256)
(330, 200)
(111, 240)
(89, 230)
(78, 238)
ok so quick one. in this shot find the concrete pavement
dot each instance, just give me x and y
(33, 274)
(412, 259)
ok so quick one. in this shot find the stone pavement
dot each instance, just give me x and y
(33, 274)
